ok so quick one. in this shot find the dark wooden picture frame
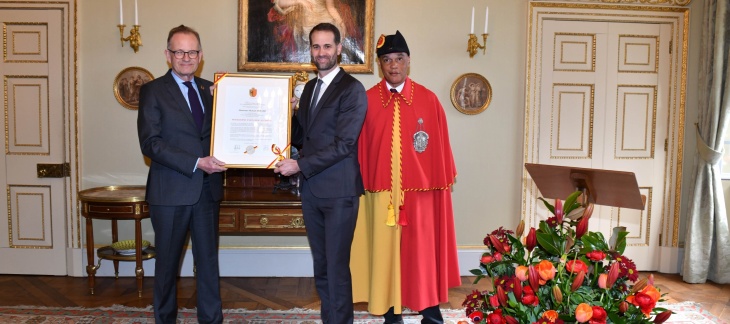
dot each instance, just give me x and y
(273, 36)
(127, 83)
(471, 93)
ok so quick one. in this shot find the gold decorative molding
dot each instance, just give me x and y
(679, 3)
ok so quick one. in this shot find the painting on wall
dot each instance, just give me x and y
(274, 35)
(127, 85)
(471, 93)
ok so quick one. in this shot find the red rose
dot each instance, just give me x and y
(596, 255)
(575, 266)
(487, 258)
(599, 315)
(530, 300)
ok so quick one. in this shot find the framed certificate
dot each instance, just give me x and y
(251, 120)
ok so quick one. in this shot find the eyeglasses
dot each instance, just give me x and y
(180, 53)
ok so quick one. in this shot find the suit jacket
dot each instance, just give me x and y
(169, 136)
(328, 139)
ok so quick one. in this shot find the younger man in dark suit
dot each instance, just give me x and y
(327, 126)
(184, 185)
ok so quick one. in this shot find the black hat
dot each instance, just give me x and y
(392, 44)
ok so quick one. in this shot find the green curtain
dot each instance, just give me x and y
(707, 241)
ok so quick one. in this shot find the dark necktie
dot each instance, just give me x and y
(195, 105)
(393, 90)
(315, 96)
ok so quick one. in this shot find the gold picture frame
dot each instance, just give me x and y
(127, 84)
(471, 93)
(275, 38)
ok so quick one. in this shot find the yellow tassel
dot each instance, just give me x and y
(391, 216)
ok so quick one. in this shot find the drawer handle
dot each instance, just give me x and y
(297, 222)
(263, 221)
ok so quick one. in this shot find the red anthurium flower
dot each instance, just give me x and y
(599, 315)
(476, 317)
(583, 313)
(596, 255)
(575, 266)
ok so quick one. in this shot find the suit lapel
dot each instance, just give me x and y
(180, 101)
(330, 89)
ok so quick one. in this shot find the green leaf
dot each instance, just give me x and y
(476, 272)
(549, 240)
(621, 242)
(548, 205)
(570, 202)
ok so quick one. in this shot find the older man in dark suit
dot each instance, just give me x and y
(184, 185)
(327, 126)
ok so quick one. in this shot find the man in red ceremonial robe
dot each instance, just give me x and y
(404, 250)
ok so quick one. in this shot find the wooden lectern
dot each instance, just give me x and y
(601, 187)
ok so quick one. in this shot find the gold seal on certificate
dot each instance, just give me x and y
(250, 112)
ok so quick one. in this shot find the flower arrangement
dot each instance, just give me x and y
(561, 273)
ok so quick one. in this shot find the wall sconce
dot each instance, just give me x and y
(473, 44)
(134, 38)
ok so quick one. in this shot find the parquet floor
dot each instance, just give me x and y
(274, 293)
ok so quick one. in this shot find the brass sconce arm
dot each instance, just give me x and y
(134, 38)
(473, 45)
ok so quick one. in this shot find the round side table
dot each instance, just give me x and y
(115, 203)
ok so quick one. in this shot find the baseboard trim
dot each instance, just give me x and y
(259, 262)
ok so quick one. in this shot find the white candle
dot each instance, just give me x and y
(472, 21)
(486, 20)
(136, 20)
(121, 15)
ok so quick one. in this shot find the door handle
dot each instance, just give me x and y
(60, 170)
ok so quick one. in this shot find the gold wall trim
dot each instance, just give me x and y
(643, 2)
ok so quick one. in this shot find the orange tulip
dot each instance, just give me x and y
(521, 273)
(546, 269)
(583, 313)
(550, 314)
(602, 278)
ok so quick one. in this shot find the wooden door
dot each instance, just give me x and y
(33, 239)
(603, 97)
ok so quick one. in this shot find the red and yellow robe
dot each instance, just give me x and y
(408, 259)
